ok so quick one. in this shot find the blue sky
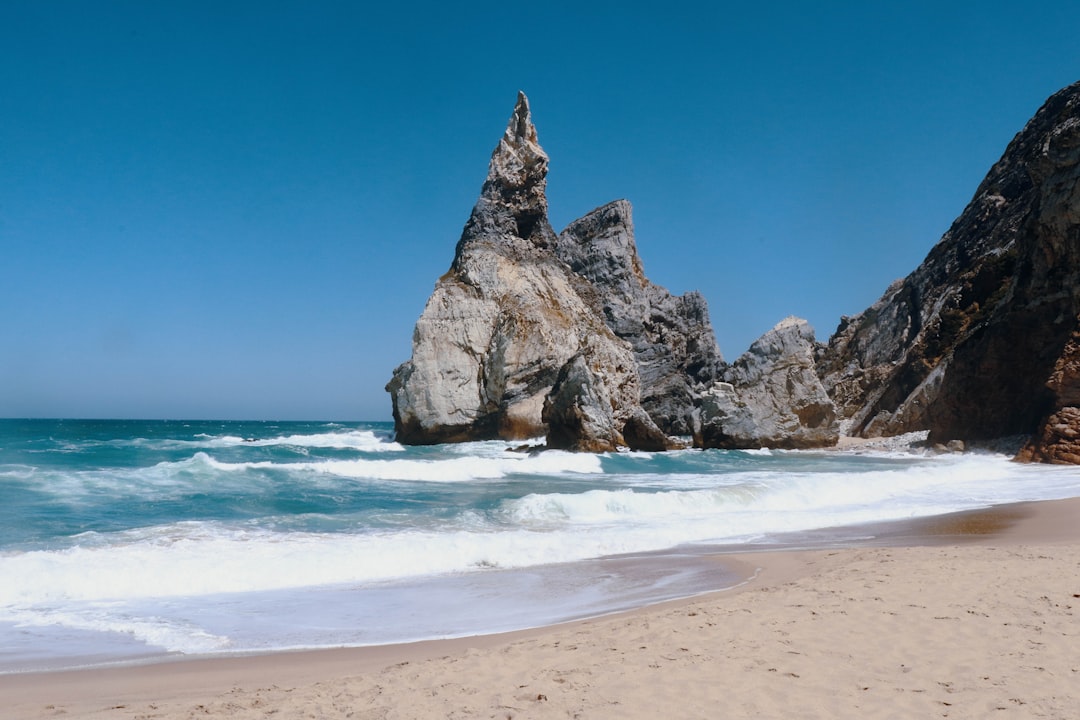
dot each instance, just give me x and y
(238, 210)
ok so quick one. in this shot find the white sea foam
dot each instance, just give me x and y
(454, 470)
(492, 448)
(112, 581)
(203, 559)
(162, 480)
(170, 635)
(362, 440)
(198, 558)
(201, 470)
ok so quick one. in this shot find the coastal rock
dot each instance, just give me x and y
(582, 415)
(507, 318)
(579, 412)
(1057, 440)
(965, 345)
(641, 433)
(772, 396)
(671, 336)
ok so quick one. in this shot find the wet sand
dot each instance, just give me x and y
(970, 615)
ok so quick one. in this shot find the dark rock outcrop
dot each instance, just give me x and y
(771, 396)
(508, 320)
(965, 346)
(672, 338)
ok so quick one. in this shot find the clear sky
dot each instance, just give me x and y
(238, 209)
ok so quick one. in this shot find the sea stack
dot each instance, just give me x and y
(504, 322)
(979, 342)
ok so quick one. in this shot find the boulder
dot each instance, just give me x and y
(578, 411)
(771, 396)
(641, 433)
(593, 407)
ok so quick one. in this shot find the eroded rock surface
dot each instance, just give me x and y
(672, 337)
(507, 318)
(965, 345)
(1057, 439)
(579, 411)
(771, 396)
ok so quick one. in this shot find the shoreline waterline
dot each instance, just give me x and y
(128, 541)
(648, 580)
(218, 686)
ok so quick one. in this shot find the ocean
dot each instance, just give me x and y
(129, 541)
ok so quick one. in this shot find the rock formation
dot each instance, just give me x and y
(579, 411)
(509, 320)
(671, 336)
(530, 332)
(973, 345)
(1057, 439)
(771, 396)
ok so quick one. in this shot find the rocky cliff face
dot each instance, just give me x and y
(771, 396)
(506, 319)
(966, 345)
(671, 336)
(1057, 440)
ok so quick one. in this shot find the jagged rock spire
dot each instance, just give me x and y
(513, 200)
(518, 161)
(511, 317)
(506, 318)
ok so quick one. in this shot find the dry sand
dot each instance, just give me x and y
(981, 623)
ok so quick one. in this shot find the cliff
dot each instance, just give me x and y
(973, 345)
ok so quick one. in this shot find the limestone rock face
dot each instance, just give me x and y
(965, 345)
(672, 337)
(506, 318)
(771, 396)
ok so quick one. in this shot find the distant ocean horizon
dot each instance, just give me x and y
(127, 540)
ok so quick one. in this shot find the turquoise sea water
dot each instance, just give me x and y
(122, 540)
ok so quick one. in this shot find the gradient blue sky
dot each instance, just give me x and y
(238, 210)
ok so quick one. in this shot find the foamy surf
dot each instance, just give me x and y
(166, 537)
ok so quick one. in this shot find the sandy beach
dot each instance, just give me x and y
(968, 616)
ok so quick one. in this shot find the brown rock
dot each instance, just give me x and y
(578, 411)
(640, 433)
(1056, 441)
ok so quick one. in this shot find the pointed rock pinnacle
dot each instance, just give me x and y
(520, 129)
(518, 162)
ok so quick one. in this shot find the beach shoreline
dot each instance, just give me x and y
(1038, 539)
